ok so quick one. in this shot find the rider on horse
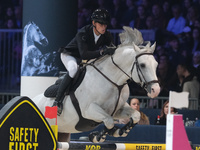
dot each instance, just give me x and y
(90, 42)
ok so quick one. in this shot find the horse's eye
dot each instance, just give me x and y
(142, 65)
(38, 29)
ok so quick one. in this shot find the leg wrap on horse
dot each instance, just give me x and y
(97, 137)
(122, 132)
(126, 129)
(65, 84)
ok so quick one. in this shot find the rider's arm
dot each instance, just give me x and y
(83, 48)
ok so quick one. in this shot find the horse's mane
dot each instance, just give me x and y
(27, 25)
(129, 36)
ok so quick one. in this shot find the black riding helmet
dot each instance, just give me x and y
(101, 16)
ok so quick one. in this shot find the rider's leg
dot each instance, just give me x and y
(71, 65)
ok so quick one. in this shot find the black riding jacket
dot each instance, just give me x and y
(83, 46)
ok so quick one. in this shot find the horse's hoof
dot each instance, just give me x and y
(95, 137)
(114, 131)
(124, 133)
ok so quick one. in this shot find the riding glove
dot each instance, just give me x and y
(109, 50)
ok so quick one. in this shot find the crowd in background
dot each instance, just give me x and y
(177, 28)
(176, 24)
(11, 14)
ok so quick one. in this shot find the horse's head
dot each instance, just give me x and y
(144, 69)
(36, 34)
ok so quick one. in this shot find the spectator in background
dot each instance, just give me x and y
(129, 14)
(159, 19)
(197, 23)
(135, 104)
(186, 5)
(167, 13)
(192, 16)
(147, 5)
(174, 51)
(140, 22)
(196, 39)
(196, 62)
(103, 4)
(150, 23)
(114, 24)
(10, 24)
(160, 50)
(84, 12)
(165, 73)
(190, 83)
(9, 13)
(18, 16)
(177, 23)
(164, 112)
(117, 10)
(185, 37)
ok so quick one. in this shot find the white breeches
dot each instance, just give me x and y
(69, 63)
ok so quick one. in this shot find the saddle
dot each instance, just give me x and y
(51, 91)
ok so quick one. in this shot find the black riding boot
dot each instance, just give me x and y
(61, 92)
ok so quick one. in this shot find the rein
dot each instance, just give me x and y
(119, 87)
(144, 84)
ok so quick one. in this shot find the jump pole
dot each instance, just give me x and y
(109, 146)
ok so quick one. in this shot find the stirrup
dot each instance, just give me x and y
(59, 107)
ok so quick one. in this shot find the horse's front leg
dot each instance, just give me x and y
(125, 112)
(95, 112)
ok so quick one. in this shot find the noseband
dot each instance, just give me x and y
(144, 84)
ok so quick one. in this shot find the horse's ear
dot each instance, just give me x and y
(135, 47)
(32, 22)
(148, 44)
(153, 47)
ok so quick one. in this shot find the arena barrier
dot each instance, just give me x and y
(109, 146)
(23, 127)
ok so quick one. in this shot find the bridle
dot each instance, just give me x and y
(144, 84)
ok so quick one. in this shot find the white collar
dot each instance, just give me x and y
(96, 37)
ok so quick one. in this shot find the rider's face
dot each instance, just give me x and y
(101, 28)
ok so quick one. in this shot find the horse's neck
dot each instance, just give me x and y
(124, 61)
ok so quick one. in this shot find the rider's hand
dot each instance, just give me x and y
(108, 50)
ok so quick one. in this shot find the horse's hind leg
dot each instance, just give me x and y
(64, 137)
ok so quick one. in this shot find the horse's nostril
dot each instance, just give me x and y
(153, 90)
(44, 41)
